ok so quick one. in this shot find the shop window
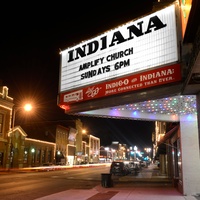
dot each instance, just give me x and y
(43, 156)
(49, 156)
(1, 159)
(38, 155)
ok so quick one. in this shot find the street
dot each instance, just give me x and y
(32, 185)
(82, 183)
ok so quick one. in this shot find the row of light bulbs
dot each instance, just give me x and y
(170, 105)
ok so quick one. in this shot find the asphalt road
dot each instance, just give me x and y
(32, 185)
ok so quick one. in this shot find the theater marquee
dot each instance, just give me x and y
(125, 55)
(138, 45)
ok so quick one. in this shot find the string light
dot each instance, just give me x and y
(172, 105)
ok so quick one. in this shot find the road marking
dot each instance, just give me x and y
(54, 176)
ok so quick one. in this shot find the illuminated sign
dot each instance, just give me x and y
(136, 46)
(72, 134)
(151, 78)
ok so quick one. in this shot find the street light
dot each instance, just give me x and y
(148, 150)
(84, 131)
(33, 155)
(27, 107)
(113, 154)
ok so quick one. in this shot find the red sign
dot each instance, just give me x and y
(147, 79)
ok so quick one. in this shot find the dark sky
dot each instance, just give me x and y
(31, 36)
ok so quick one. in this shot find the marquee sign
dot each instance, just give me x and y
(137, 46)
(156, 77)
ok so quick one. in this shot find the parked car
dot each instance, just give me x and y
(143, 163)
(119, 168)
(134, 167)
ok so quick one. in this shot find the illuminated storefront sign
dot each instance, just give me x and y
(137, 46)
(151, 78)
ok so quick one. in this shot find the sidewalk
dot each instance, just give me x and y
(125, 193)
(147, 185)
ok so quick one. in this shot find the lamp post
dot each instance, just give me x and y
(33, 156)
(27, 108)
(135, 151)
(148, 150)
(113, 154)
(106, 149)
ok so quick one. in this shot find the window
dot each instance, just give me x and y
(38, 155)
(43, 156)
(1, 159)
(49, 156)
(1, 125)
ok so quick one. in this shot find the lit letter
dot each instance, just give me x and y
(80, 51)
(92, 50)
(155, 22)
(117, 37)
(70, 55)
(104, 43)
(133, 29)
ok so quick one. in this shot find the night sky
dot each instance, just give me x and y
(31, 38)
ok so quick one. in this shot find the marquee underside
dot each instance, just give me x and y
(165, 109)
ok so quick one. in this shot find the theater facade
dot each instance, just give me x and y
(146, 69)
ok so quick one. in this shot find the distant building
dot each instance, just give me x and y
(44, 143)
(57, 134)
(91, 148)
(33, 152)
(6, 104)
